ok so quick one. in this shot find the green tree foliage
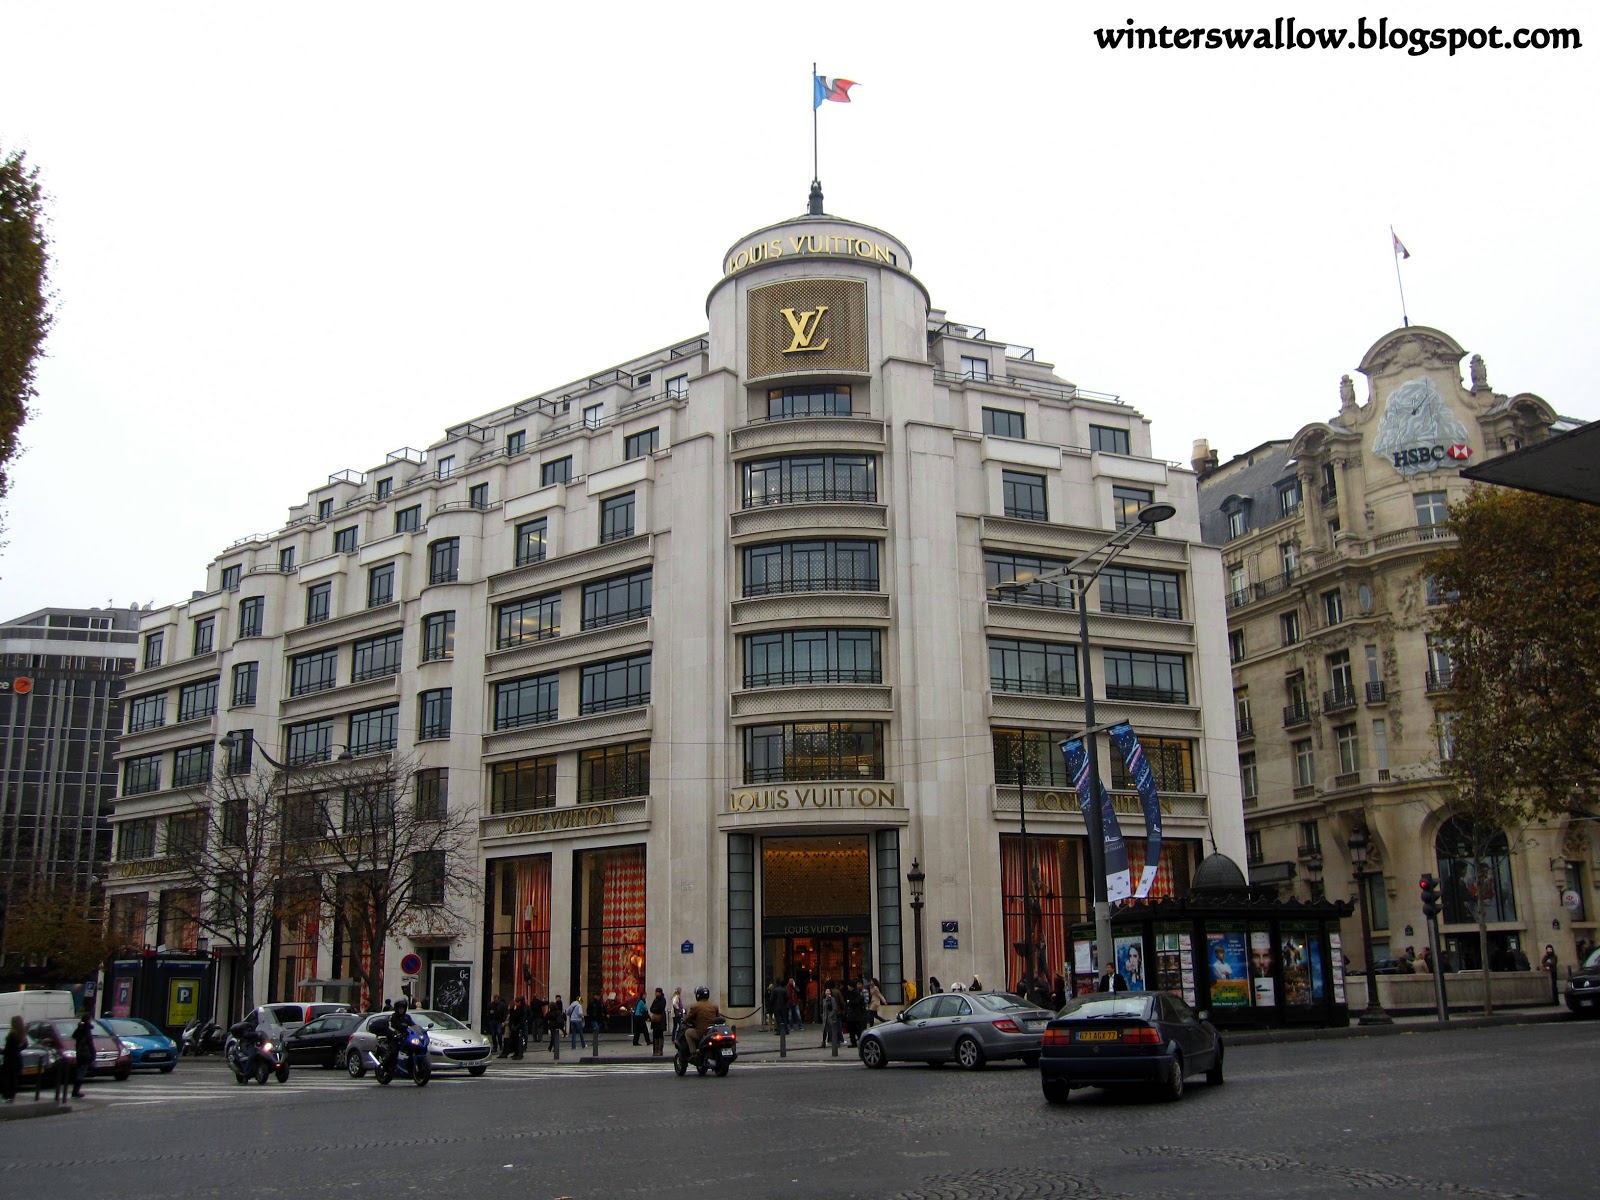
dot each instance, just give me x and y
(24, 301)
(1522, 587)
(51, 939)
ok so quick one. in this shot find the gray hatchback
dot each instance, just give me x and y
(970, 1028)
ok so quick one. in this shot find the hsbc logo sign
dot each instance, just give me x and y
(1418, 431)
(1428, 457)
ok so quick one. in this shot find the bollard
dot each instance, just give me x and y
(833, 1034)
(595, 1053)
(555, 1046)
(783, 1041)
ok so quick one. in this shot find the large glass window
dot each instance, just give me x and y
(433, 714)
(147, 712)
(1143, 675)
(136, 839)
(523, 784)
(608, 773)
(518, 941)
(376, 658)
(1108, 440)
(196, 700)
(438, 636)
(828, 565)
(1002, 422)
(309, 742)
(516, 442)
(140, 775)
(531, 620)
(230, 577)
(1141, 593)
(1037, 751)
(153, 643)
(1126, 503)
(433, 793)
(806, 750)
(1348, 740)
(319, 599)
(558, 471)
(313, 672)
(799, 656)
(444, 560)
(245, 676)
(1023, 496)
(205, 635)
(1433, 508)
(531, 545)
(380, 585)
(408, 520)
(530, 701)
(345, 541)
(613, 601)
(616, 518)
(810, 478)
(815, 400)
(191, 765)
(252, 614)
(1305, 763)
(620, 683)
(1171, 763)
(638, 445)
(1474, 872)
(609, 921)
(1042, 668)
(375, 729)
(1003, 566)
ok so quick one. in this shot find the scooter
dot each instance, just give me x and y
(718, 1048)
(410, 1060)
(200, 1038)
(268, 1057)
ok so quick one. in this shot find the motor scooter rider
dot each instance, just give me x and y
(246, 1037)
(702, 1015)
(399, 1021)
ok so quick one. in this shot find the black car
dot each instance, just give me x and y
(1583, 988)
(322, 1040)
(1150, 1039)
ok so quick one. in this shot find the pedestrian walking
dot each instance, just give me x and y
(575, 1035)
(908, 992)
(497, 1025)
(855, 1010)
(11, 1066)
(795, 1020)
(675, 1009)
(83, 1049)
(597, 1015)
(658, 1022)
(778, 1007)
(878, 1002)
(933, 985)
(517, 1027)
(641, 1020)
(556, 1020)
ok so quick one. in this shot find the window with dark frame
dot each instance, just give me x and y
(153, 644)
(245, 676)
(1146, 675)
(385, 487)
(375, 730)
(678, 387)
(1003, 422)
(1137, 592)
(191, 765)
(205, 635)
(822, 565)
(973, 367)
(813, 750)
(639, 445)
(809, 400)
(316, 671)
(140, 776)
(319, 600)
(408, 520)
(438, 636)
(1032, 667)
(810, 479)
(1108, 439)
(530, 701)
(380, 586)
(534, 619)
(1236, 645)
(532, 542)
(522, 785)
(345, 541)
(616, 600)
(1127, 501)
(137, 839)
(196, 700)
(618, 683)
(1171, 763)
(286, 560)
(516, 442)
(559, 471)
(252, 616)
(324, 509)
(427, 876)
(432, 786)
(792, 657)
(1005, 566)
(444, 560)
(309, 742)
(611, 773)
(478, 496)
(433, 714)
(376, 657)
(616, 518)
(230, 578)
(147, 712)
(1023, 496)
(446, 466)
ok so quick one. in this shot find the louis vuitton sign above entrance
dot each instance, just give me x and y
(807, 326)
(790, 799)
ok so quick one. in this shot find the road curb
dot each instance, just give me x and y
(38, 1108)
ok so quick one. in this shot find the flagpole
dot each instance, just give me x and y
(816, 175)
(1394, 243)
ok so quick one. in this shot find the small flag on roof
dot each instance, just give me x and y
(1399, 246)
(824, 88)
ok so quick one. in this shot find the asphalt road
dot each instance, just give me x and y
(1476, 1113)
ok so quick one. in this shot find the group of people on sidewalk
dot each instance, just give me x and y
(57, 1068)
(513, 1026)
(844, 1007)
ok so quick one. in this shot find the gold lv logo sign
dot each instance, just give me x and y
(804, 327)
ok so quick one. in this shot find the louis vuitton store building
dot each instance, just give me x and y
(718, 649)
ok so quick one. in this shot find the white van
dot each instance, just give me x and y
(41, 1005)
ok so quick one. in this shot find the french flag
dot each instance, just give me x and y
(837, 90)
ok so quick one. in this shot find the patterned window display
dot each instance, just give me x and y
(608, 925)
(519, 942)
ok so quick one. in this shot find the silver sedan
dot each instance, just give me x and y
(452, 1046)
(970, 1028)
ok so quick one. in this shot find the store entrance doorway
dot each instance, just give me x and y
(816, 913)
(811, 961)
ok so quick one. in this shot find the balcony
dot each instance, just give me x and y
(1377, 693)
(1328, 494)
(1443, 680)
(1244, 727)
(1261, 591)
(1339, 699)
(1298, 713)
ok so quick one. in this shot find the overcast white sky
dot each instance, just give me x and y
(291, 238)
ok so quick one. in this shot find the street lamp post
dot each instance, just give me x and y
(1359, 843)
(915, 878)
(1114, 545)
(1029, 948)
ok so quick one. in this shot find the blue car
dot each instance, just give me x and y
(148, 1045)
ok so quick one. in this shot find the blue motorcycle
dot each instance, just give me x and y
(410, 1059)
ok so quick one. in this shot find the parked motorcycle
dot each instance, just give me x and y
(259, 1061)
(410, 1059)
(200, 1038)
(718, 1048)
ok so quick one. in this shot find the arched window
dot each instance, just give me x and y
(1474, 872)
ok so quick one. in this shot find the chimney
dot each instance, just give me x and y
(1203, 459)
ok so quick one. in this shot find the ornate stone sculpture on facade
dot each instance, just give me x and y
(1347, 393)
(1480, 373)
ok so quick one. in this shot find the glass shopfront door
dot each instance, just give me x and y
(816, 921)
(811, 961)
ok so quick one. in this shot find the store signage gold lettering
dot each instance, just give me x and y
(138, 870)
(559, 819)
(782, 799)
(804, 327)
(1068, 803)
(760, 252)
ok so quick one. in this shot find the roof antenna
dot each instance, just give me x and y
(814, 207)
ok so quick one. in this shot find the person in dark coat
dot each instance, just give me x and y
(855, 1011)
(497, 1024)
(596, 1013)
(83, 1048)
(517, 1026)
(658, 1022)
(11, 1068)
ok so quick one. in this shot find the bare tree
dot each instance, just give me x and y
(230, 860)
(382, 850)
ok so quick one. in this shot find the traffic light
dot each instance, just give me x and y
(1430, 896)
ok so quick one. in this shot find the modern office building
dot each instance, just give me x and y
(709, 644)
(61, 678)
(1342, 694)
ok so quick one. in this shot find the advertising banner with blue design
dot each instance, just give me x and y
(1118, 876)
(1127, 743)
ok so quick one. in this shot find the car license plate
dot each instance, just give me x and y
(727, 1054)
(1035, 1024)
(1096, 1035)
(156, 1056)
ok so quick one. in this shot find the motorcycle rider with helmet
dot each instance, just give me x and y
(702, 1015)
(399, 1021)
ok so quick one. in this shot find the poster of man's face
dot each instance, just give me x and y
(1261, 961)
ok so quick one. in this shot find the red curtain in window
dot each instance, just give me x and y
(1170, 875)
(622, 921)
(530, 944)
(1044, 856)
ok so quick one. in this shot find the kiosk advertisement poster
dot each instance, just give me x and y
(121, 996)
(1174, 962)
(1262, 985)
(1130, 961)
(1226, 961)
(183, 1001)
(1336, 949)
(1083, 970)
(450, 989)
(1303, 980)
